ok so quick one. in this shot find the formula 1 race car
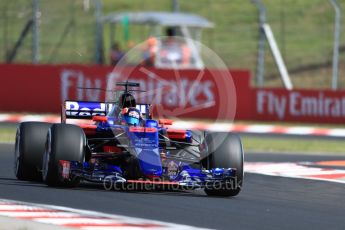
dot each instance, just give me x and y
(125, 146)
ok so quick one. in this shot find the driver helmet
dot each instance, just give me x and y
(131, 116)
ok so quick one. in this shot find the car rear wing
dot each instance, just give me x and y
(89, 109)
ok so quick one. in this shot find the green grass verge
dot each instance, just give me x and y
(7, 134)
(292, 145)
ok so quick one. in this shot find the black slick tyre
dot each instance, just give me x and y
(29, 149)
(223, 150)
(64, 142)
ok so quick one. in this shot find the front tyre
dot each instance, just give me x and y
(64, 142)
(224, 150)
(29, 149)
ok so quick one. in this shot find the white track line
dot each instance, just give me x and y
(77, 218)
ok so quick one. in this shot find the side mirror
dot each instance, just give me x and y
(165, 122)
(100, 118)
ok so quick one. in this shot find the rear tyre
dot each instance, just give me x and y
(224, 150)
(29, 149)
(64, 142)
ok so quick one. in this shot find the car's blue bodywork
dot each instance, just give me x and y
(116, 149)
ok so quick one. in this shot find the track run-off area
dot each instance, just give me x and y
(275, 196)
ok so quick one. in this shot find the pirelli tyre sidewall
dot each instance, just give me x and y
(29, 149)
(63, 142)
(223, 150)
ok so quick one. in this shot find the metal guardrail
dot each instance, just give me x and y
(265, 32)
(337, 29)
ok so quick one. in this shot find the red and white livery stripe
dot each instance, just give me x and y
(296, 170)
(226, 127)
(75, 218)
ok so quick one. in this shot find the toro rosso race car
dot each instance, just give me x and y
(125, 146)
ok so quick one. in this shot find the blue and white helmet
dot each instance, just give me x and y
(131, 116)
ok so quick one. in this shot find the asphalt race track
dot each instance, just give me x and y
(266, 202)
